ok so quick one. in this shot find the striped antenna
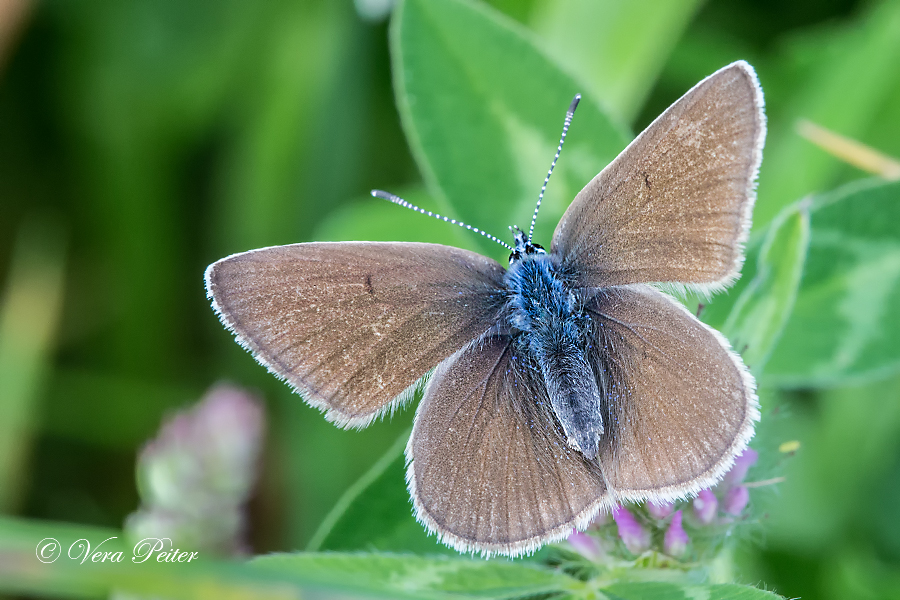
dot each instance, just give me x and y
(569, 114)
(405, 204)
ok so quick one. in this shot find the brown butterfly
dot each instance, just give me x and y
(562, 385)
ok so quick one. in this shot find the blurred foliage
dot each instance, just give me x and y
(143, 140)
(332, 575)
(844, 326)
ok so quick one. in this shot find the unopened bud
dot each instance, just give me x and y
(635, 537)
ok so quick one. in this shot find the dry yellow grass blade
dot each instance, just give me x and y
(850, 151)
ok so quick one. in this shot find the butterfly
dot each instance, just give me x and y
(555, 388)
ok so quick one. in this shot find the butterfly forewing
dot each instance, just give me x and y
(680, 404)
(490, 468)
(675, 205)
(352, 325)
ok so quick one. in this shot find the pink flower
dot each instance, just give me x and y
(635, 537)
(676, 540)
(660, 511)
(585, 545)
(742, 464)
(705, 506)
(736, 500)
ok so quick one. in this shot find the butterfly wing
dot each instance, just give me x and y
(680, 403)
(352, 325)
(490, 470)
(675, 205)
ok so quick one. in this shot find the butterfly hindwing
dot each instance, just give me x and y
(680, 403)
(490, 469)
(675, 205)
(352, 325)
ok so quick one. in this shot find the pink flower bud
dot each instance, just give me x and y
(742, 464)
(705, 506)
(660, 511)
(635, 538)
(585, 545)
(736, 500)
(676, 540)
(196, 476)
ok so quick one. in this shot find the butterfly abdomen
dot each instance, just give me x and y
(553, 333)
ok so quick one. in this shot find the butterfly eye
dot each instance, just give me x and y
(525, 249)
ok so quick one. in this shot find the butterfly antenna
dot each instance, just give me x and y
(569, 114)
(398, 200)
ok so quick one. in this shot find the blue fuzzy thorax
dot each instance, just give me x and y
(539, 299)
(554, 332)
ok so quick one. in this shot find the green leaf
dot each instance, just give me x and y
(300, 575)
(483, 110)
(418, 577)
(375, 513)
(674, 591)
(617, 47)
(845, 322)
(276, 577)
(763, 308)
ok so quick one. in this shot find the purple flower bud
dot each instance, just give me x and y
(676, 540)
(660, 511)
(205, 454)
(736, 500)
(635, 538)
(705, 505)
(229, 425)
(742, 464)
(585, 545)
(196, 475)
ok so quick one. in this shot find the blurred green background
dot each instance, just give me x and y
(140, 141)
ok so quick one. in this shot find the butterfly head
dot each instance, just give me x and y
(524, 247)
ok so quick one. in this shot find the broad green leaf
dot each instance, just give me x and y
(675, 591)
(483, 111)
(762, 310)
(616, 47)
(845, 322)
(410, 576)
(375, 513)
(846, 77)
